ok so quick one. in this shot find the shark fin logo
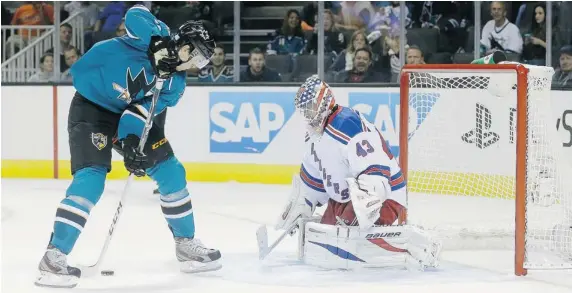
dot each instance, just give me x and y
(134, 85)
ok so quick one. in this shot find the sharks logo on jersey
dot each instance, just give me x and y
(134, 86)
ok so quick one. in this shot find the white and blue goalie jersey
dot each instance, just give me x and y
(350, 146)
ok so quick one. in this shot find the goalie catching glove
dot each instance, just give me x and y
(368, 194)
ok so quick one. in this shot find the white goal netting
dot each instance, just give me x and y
(462, 159)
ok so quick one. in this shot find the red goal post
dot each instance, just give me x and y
(424, 74)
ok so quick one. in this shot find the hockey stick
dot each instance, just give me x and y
(92, 270)
(262, 238)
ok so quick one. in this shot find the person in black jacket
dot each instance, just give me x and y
(362, 71)
(334, 40)
(257, 71)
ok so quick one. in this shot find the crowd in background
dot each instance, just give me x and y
(362, 38)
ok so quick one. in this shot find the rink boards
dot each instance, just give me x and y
(237, 133)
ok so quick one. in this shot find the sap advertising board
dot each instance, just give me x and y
(248, 122)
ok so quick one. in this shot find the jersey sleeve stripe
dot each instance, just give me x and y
(397, 181)
(337, 135)
(377, 170)
(312, 182)
(333, 116)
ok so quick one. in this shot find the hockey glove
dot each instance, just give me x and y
(163, 56)
(135, 162)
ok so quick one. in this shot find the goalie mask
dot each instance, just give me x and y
(314, 101)
(194, 44)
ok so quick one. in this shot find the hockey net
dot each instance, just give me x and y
(484, 162)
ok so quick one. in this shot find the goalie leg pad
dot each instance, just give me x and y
(338, 247)
(423, 247)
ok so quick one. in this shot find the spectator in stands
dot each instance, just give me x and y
(334, 40)
(450, 19)
(111, 16)
(534, 51)
(563, 75)
(346, 57)
(415, 55)
(46, 73)
(388, 16)
(257, 71)
(92, 38)
(392, 46)
(120, 31)
(65, 39)
(290, 38)
(362, 69)
(355, 15)
(218, 72)
(65, 44)
(35, 13)
(89, 11)
(499, 33)
(309, 16)
(6, 18)
(71, 55)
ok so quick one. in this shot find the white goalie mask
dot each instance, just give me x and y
(314, 101)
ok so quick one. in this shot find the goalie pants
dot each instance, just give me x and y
(389, 213)
(91, 131)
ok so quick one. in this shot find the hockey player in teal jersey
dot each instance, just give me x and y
(114, 83)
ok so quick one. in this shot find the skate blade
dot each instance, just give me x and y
(50, 280)
(191, 267)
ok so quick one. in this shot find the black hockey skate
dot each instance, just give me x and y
(55, 272)
(193, 257)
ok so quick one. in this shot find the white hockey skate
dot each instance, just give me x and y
(193, 257)
(54, 270)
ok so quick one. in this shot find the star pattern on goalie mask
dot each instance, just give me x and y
(308, 90)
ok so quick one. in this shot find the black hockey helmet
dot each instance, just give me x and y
(200, 40)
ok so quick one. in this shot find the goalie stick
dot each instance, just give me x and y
(93, 270)
(262, 237)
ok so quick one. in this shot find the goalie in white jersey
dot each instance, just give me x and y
(348, 166)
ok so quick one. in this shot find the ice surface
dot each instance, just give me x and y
(226, 216)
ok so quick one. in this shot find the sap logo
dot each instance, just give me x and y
(244, 122)
(381, 235)
(383, 109)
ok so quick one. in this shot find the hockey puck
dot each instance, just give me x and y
(107, 273)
